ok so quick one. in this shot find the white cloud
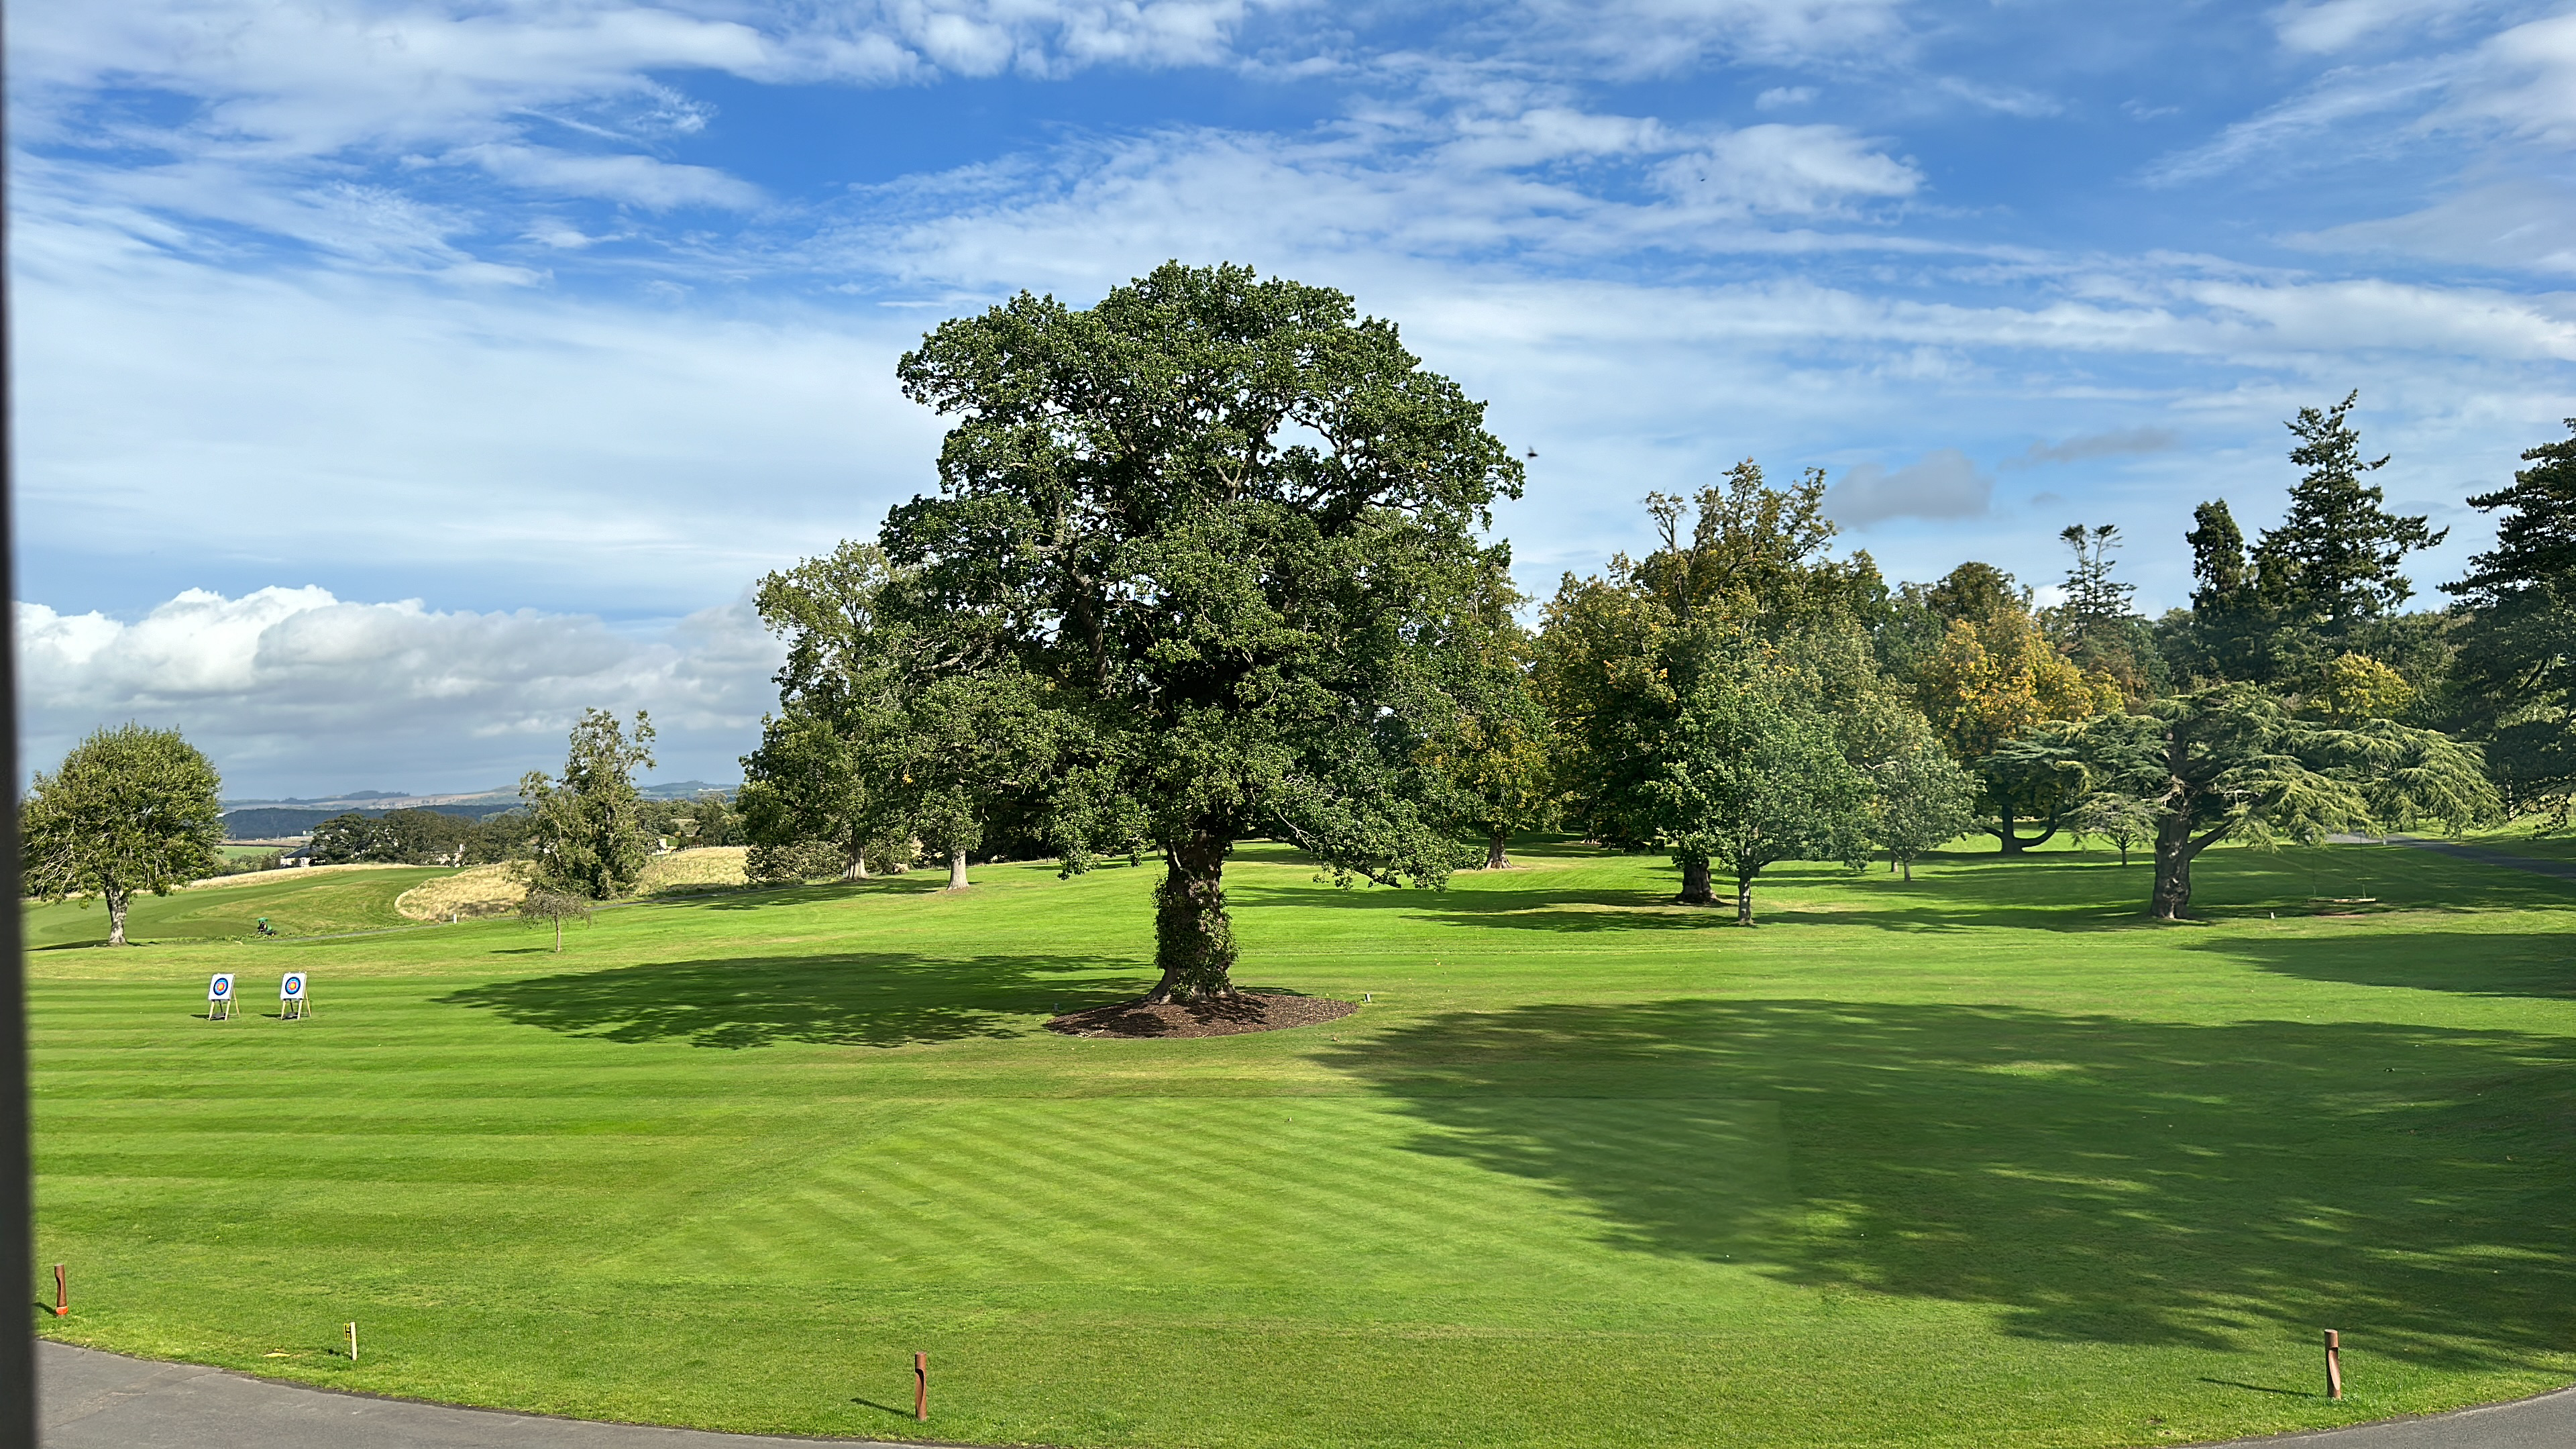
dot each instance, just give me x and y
(285, 687)
(1783, 97)
(1783, 170)
(2519, 83)
(1536, 185)
(1941, 484)
(1662, 37)
(274, 104)
(2524, 80)
(2333, 25)
(2006, 100)
(642, 180)
(2526, 225)
(2334, 104)
(489, 445)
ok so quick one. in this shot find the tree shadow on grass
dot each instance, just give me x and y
(2093, 1178)
(1782, 898)
(2059, 891)
(755, 898)
(877, 999)
(2477, 963)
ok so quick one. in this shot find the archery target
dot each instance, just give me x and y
(292, 988)
(221, 988)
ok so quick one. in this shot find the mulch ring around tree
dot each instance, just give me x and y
(1225, 1016)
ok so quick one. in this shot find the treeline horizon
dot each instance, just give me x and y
(1212, 560)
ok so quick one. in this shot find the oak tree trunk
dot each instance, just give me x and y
(957, 867)
(1496, 858)
(1695, 888)
(1909, 870)
(117, 902)
(1193, 937)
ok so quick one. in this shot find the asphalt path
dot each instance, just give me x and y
(94, 1400)
(2488, 855)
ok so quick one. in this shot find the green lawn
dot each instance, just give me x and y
(296, 904)
(1982, 1159)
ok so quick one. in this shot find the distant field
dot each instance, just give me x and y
(1980, 1159)
(309, 902)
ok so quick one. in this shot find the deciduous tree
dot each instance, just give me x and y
(586, 831)
(1755, 773)
(1210, 522)
(1620, 656)
(1920, 801)
(1991, 688)
(1498, 750)
(806, 795)
(130, 809)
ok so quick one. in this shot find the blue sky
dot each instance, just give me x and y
(398, 379)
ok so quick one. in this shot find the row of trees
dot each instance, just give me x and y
(133, 810)
(1742, 696)
(631, 830)
(1207, 562)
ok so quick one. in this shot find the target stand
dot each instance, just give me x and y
(219, 997)
(291, 1002)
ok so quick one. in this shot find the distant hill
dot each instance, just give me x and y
(280, 819)
(278, 823)
(381, 800)
(684, 790)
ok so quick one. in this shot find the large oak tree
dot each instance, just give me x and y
(130, 809)
(1211, 526)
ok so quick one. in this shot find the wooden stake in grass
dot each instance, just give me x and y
(353, 1341)
(2334, 1364)
(62, 1293)
(921, 1388)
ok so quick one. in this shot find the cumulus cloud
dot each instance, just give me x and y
(1941, 484)
(294, 689)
